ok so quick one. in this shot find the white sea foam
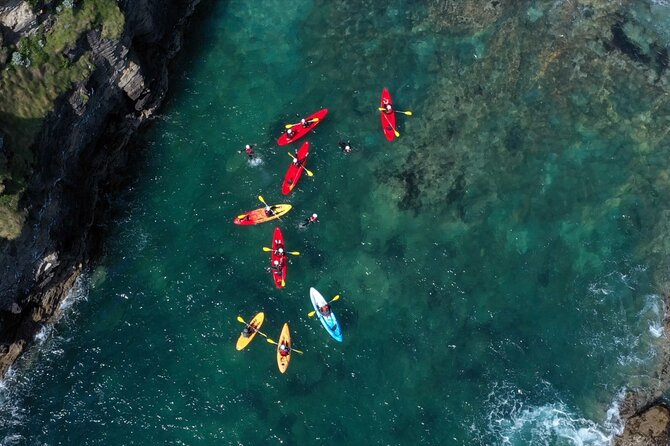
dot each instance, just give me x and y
(48, 347)
(257, 161)
(514, 420)
(653, 312)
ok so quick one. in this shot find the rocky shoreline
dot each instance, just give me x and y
(82, 154)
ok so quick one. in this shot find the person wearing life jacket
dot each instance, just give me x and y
(298, 162)
(311, 219)
(249, 150)
(304, 122)
(388, 109)
(284, 349)
(345, 146)
(248, 331)
(276, 267)
(269, 212)
(290, 133)
(325, 310)
(280, 251)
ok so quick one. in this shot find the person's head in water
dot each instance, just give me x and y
(314, 217)
(247, 147)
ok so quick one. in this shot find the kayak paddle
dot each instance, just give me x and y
(295, 253)
(260, 197)
(397, 134)
(309, 172)
(239, 318)
(408, 113)
(290, 348)
(312, 313)
(288, 126)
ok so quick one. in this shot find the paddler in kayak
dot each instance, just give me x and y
(325, 310)
(284, 349)
(388, 109)
(269, 211)
(297, 162)
(290, 133)
(248, 330)
(276, 267)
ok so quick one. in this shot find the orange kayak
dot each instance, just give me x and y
(255, 323)
(258, 215)
(284, 338)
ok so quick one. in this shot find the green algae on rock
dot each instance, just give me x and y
(49, 57)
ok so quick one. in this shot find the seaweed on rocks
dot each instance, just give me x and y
(82, 156)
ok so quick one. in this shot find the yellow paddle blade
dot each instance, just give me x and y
(291, 155)
(337, 297)
(309, 172)
(288, 126)
(311, 313)
(270, 341)
(283, 283)
(240, 217)
(266, 249)
(295, 253)
(297, 351)
(381, 109)
(396, 133)
(408, 113)
(239, 318)
(262, 200)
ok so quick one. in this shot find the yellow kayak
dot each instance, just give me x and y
(258, 215)
(284, 339)
(255, 325)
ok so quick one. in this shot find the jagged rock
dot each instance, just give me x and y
(650, 427)
(82, 154)
(78, 100)
(132, 81)
(17, 16)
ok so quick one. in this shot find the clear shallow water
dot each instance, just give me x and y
(496, 286)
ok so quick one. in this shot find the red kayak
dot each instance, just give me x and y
(300, 130)
(278, 271)
(295, 170)
(388, 118)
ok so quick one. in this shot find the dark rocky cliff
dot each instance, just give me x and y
(81, 158)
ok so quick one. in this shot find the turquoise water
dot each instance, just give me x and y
(498, 263)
